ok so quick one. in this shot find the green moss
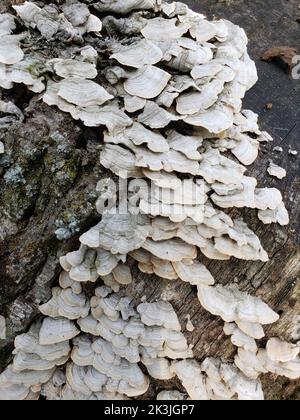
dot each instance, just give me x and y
(19, 199)
(66, 176)
(29, 249)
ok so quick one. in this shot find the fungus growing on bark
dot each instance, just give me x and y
(281, 351)
(239, 338)
(232, 305)
(75, 21)
(57, 330)
(276, 171)
(103, 364)
(214, 380)
(254, 364)
(170, 396)
(70, 68)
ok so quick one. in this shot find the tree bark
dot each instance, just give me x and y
(47, 182)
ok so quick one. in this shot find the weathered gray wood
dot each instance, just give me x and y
(59, 161)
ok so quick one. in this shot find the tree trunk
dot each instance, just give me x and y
(47, 182)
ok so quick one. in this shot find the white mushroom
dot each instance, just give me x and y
(55, 331)
(279, 215)
(124, 6)
(26, 72)
(280, 351)
(29, 343)
(189, 373)
(242, 243)
(231, 305)
(203, 31)
(10, 51)
(253, 330)
(245, 388)
(120, 161)
(72, 68)
(138, 54)
(7, 24)
(163, 179)
(94, 116)
(147, 82)
(189, 325)
(248, 362)
(156, 117)
(122, 233)
(76, 13)
(122, 274)
(290, 369)
(65, 303)
(188, 145)
(215, 119)
(171, 161)
(49, 22)
(195, 274)
(239, 338)
(51, 98)
(276, 171)
(14, 393)
(25, 361)
(187, 55)
(173, 250)
(82, 92)
(171, 396)
(160, 29)
(193, 102)
(139, 135)
(160, 314)
(133, 103)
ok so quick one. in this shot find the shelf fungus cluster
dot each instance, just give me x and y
(73, 21)
(92, 349)
(166, 87)
(216, 380)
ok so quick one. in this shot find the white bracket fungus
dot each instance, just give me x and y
(124, 6)
(214, 380)
(189, 325)
(57, 330)
(233, 306)
(280, 358)
(104, 364)
(170, 396)
(280, 351)
(276, 171)
(239, 338)
(76, 19)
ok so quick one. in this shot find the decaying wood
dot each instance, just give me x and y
(284, 54)
(58, 159)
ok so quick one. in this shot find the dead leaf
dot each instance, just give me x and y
(283, 55)
(269, 106)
